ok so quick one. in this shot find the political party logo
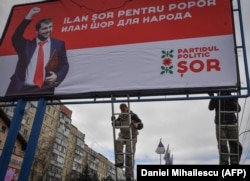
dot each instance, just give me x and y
(192, 60)
(167, 62)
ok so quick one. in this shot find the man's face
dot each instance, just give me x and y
(124, 109)
(44, 32)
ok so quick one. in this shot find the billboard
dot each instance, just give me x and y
(117, 47)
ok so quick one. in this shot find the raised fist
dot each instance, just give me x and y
(32, 11)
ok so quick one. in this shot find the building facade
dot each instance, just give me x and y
(17, 152)
(61, 153)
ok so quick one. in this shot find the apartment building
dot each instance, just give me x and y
(61, 153)
(17, 152)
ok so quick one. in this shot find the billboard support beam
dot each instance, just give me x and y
(33, 139)
(11, 137)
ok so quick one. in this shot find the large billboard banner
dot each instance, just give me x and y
(144, 47)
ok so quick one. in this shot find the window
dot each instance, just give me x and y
(54, 112)
(43, 129)
(50, 133)
(48, 108)
(28, 121)
(14, 149)
(25, 132)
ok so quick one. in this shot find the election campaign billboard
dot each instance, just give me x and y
(118, 48)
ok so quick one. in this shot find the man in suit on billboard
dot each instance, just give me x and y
(42, 62)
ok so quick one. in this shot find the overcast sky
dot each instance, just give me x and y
(187, 125)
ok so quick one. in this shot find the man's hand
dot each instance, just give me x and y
(113, 118)
(51, 79)
(33, 11)
(210, 93)
(138, 126)
(135, 125)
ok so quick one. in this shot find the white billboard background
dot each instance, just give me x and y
(105, 71)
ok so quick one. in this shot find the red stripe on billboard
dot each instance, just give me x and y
(117, 22)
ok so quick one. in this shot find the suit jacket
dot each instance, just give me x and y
(25, 49)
